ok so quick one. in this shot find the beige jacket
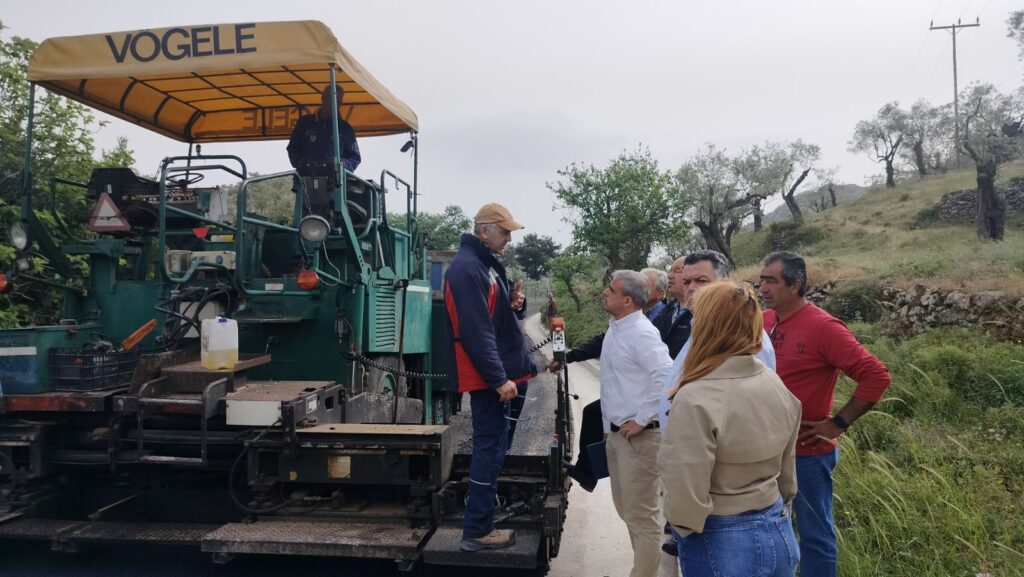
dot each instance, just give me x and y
(729, 446)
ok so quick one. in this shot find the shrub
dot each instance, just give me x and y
(987, 376)
(856, 300)
(788, 235)
(925, 218)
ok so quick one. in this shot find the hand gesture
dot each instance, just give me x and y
(554, 366)
(517, 298)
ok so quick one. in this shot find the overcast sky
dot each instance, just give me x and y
(508, 93)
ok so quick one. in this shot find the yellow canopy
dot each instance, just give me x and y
(221, 82)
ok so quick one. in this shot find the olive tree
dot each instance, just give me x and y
(881, 138)
(991, 134)
(622, 211)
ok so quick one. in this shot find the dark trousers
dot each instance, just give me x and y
(515, 408)
(591, 431)
(490, 442)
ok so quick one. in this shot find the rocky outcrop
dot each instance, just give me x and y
(961, 206)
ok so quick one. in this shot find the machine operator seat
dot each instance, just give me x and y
(319, 181)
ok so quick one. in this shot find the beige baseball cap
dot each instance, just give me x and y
(494, 213)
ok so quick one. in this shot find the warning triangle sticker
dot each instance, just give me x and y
(106, 217)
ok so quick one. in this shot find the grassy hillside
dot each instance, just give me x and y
(892, 235)
(929, 483)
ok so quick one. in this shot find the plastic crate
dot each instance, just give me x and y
(86, 370)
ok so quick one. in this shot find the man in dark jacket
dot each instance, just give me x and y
(490, 361)
(312, 138)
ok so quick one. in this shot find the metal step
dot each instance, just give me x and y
(127, 532)
(345, 539)
(443, 549)
(40, 529)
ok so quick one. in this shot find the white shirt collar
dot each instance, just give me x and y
(628, 319)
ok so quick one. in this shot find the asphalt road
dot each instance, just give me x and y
(594, 544)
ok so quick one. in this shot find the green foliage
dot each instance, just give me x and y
(534, 254)
(794, 236)
(573, 268)
(856, 300)
(986, 376)
(442, 231)
(271, 199)
(62, 146)
(925, 218)
(1015, 29)
(929, 483)
(120, 156)
(621, 211)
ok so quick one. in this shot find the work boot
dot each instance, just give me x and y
(496, 539)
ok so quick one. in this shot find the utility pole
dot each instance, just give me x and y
(956, 89)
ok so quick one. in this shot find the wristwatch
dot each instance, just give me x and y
(840, 422)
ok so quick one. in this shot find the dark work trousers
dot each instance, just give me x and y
(515, 408)
(490, 441)
(591, 431)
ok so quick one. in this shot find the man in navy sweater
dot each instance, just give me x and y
(491, 362)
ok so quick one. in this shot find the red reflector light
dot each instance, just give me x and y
(5, 283)
(308, 280)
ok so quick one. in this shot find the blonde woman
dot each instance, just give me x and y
(727, 457)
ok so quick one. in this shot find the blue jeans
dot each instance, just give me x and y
(490, 441)
(514, 409)
(813, 510)
(752, 543)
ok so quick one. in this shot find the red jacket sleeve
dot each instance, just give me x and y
(844, 352)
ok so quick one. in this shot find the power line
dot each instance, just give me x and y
(934, 68)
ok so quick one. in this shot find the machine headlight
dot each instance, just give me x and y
(19, 236)
(314, 228)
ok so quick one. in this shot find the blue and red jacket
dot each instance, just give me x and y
(489, 348)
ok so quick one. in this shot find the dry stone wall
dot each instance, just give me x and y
(921, 308)
(961, 206)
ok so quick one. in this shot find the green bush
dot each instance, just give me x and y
(788, 235)
(856, 300)
(987, 376)
(924, 218)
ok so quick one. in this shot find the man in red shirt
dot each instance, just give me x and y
(811, 348)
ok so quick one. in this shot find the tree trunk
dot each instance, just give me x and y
(572, 293)
(832, 193)
(758, 214)
(716, 240)
(614, 258)
(890, 174)
(922, 166)
(789, 197)
(794, 208)
(991, 218)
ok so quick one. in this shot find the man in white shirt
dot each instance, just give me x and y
(634, 363)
